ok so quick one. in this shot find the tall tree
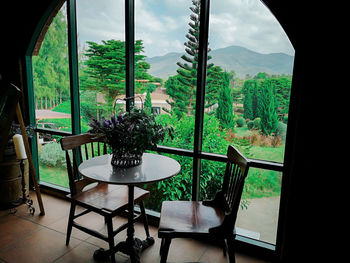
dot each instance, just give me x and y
(50, 67)
(182, 87)
(250, 100)
(268, 108)
(148, 102)
(224, 112)
(105, 68)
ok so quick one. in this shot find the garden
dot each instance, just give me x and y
(250, 113)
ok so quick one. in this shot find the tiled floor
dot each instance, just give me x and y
(41, 239)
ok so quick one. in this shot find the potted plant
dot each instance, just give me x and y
(129, 135)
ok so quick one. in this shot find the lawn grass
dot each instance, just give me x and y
(54, 175)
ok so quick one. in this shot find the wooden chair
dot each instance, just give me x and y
(104, 199)
(213, 219)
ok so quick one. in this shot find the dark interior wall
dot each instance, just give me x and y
(303, 152)
(18, 20)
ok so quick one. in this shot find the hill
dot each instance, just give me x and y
(242, 60)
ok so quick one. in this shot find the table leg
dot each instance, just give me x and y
(132, 246)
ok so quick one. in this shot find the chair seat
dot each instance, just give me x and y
(185, 218)
(112, 198)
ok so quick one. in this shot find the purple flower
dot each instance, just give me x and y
(113, 120)
(94, 124)
(120, 118)
(106, 123)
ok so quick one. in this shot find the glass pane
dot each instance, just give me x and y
(52, 160)
(212, 174)
(101, 38)
(51, 76)
(258, 213)
(178, 187)
(258, 216)
(166, 69)
(250, 63)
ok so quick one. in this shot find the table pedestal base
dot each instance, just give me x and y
(133, 251)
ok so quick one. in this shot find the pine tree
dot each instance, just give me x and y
(224, 112)
(148, 103)
(267, 102)
(249, 101)
(182, 87)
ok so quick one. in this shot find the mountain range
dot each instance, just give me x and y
(240, 59)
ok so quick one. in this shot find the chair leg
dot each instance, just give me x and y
(144, 218)
(165, 250)
(70, 222)
(108, 221)
(224, 247)
(230, 249)
(161, 246)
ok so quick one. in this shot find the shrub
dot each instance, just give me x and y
(179, 187)
(250, 125)
(276, 141)
(240, 122)
(257, 123)
(52, 155)
(282, 130)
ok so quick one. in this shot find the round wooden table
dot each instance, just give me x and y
(154, 168)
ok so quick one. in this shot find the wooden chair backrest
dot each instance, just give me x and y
(230, 195)
(79, 148)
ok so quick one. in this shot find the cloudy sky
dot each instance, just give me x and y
(163, 24)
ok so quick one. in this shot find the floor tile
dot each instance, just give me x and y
(55, 209)
(91, 220)
(185, 250)
(43, 246)
(41, 239)
(214, 254)
(13, 228)
(84, 253)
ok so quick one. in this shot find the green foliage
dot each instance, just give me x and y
(104, 69)
(52, 155)
(179, 187)
(257, 123)
(183, 94)
(148, 103)
(132, 132)
(269, 117)
(250, 125)
(249, 91)
(265, 98)
(224, 112)
(262, 183)
(240, 122)
(50, 67)
(182, 87)
(282, 130)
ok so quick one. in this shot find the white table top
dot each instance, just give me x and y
(154, 168)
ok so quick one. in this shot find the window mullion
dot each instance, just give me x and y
(200, 95)
(73, 65)
(129, 52)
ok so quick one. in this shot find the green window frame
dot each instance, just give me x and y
(196, 153)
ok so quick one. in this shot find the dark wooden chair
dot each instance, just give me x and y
(214, 219)
(104, 199)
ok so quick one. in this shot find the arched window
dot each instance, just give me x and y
(218, 77)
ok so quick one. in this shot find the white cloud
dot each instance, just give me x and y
(163, 24)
